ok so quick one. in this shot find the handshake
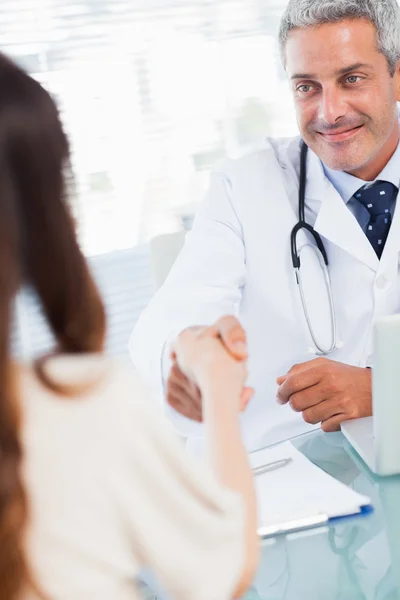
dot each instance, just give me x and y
(215, 357)
(208, 356)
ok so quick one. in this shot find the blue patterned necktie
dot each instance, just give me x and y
(378, 199)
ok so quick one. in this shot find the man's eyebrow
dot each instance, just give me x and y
(303, 76)
(343, 71)
(354, 67)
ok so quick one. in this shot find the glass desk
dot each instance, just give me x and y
(357, 559)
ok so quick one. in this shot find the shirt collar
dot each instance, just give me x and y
(347, 185)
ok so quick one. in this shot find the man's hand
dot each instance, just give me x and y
(183, 394)
(327, 392)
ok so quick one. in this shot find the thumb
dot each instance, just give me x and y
(245, 398)
(233, 336)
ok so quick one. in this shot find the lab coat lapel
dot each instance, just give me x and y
(335, 222)
(392, 246)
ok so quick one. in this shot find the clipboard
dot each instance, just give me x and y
(300, 495)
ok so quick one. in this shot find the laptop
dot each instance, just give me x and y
(377, 439)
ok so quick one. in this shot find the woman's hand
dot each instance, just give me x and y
(213, 360)
(200, 357)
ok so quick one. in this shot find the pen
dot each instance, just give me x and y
(272, 466)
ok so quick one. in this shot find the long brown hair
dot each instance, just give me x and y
(38, 247)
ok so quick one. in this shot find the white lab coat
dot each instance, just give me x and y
(237, 260)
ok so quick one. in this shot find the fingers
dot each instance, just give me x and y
(245, 398)
(191, 392)
(219, 351)
(296, 383)
(307, 398)
(227, 330)
(300, 377)
(183, 395)
(333, 424)
(184, 409)
(326, 392)
(178, 399)
(233, 336)
(185, 385)
(296, 369)
(321, 412)
(181, 341)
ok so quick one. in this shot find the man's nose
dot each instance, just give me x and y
(332, 106)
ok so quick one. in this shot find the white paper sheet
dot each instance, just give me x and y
(299, 494)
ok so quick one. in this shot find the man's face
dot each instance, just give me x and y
(345, 96)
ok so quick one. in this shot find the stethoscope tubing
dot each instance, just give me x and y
(320, 250)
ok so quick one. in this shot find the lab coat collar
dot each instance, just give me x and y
(347, 185)
(335, 222)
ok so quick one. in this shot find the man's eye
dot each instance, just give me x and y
(304, 89)
(353, 79)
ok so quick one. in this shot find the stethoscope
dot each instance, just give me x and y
(320, 251)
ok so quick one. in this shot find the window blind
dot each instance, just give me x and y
(153, 93)
(126, 283)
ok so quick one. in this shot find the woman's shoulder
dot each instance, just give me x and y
(81, 386)
(81, 373)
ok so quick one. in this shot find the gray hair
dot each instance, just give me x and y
(384, 14)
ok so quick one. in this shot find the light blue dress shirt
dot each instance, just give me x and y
(347, 185)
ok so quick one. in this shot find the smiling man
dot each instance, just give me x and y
(236, 269)
(345, 93)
